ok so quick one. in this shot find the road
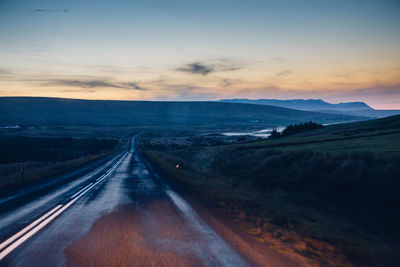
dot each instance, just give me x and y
(117, 212)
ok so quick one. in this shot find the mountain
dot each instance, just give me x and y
(304, 104)
(371, 113)
(318, 105)
(60, 111)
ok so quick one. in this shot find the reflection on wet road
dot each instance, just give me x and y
(119, 214)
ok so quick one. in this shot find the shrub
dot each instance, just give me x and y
(295, 129)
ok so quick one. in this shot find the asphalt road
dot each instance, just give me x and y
(115, 212)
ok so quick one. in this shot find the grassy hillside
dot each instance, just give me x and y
(330, 194)
(372, 113)
(373, 136)
(29, 154)
(57, 111)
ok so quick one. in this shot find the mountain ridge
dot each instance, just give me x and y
(304, 104)
(63, 111)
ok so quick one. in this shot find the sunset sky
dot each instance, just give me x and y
(202, 50)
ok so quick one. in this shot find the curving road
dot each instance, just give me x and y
(114, 212)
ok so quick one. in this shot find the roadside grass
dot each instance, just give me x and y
(11, 173)
(33, 154)
(274, 222)
(333, 200)
(380, 143)
(368, 134)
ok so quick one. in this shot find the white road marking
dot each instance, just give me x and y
(222, 252)
(40, 223)
(26, 229)
(35, 230)
(77, 193)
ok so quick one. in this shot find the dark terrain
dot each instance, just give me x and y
(318, 105)
(320, 195)
(116, 212)
(33, 153)
(30, 111)
(330, 194)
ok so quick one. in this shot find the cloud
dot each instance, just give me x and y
(94, 83)
(375, 91)
(285, 72)
(80, 90)
(277, 59)
(45, 10)
(88, 82)
(197, 68)
(185, 92)
(214, 66)
(226, 82)
(5, 72)
(132, 85)
(79, 83)
(227, 65)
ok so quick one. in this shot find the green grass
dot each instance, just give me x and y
(335, 187)
(387, 143)
(30, 154)
(376, 136)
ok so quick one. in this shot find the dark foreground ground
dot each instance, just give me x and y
(321, 197)
(118, 212)
(29, 154)
(330, 195)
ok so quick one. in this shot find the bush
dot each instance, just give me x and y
(295, 129)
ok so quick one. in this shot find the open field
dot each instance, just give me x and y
(30, 154)
(330, 194)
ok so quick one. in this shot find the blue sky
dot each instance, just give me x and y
(202, 50)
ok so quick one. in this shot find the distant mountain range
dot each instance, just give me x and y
(59, 111)
(319, 105)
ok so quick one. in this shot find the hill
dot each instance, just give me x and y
(329, 193)
(304, 104)
(58, 111)
(371, 113)
(318, 105)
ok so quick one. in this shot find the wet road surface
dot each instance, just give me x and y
(119, 213)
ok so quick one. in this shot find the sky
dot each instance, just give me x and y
(338, 50)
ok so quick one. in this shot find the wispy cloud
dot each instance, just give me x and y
(92, 84)
(207, 68)
(185, 92)
(197, 68)
(285, 72)
(5, 72)
(88, 82)
(132, 85)
(375, 91)
(80, 90)
(277, 59)
(229, 83)
(80, 83)
(226, 82)
(46, 10)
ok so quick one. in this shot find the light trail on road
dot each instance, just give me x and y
(17, 239)
(122, 207)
